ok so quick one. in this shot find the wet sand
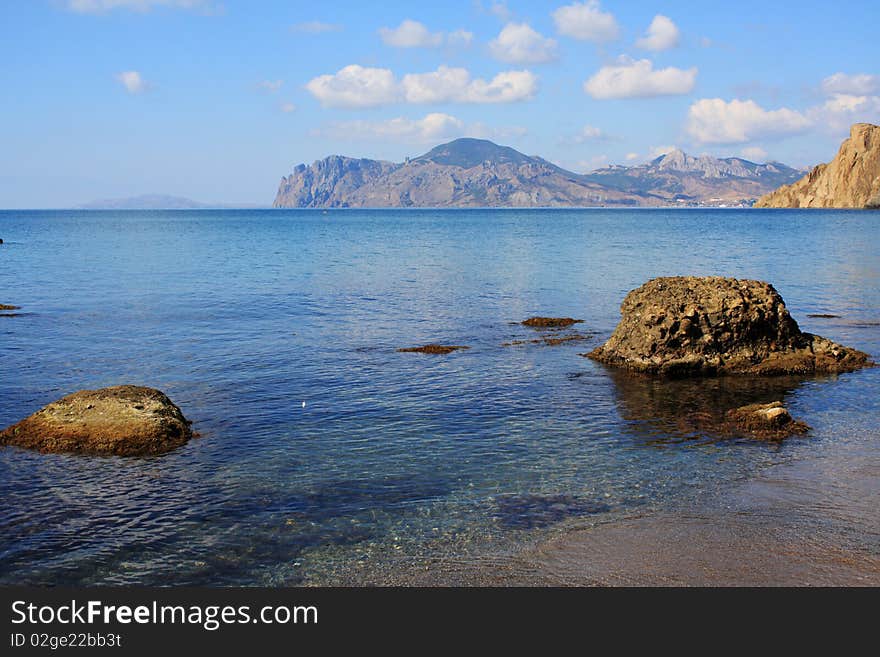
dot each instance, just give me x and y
(814, 522)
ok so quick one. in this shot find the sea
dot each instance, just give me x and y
(325, 455)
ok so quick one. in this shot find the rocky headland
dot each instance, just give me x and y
(692, 326)
(478, 173)
(122, 421)
(850, 180)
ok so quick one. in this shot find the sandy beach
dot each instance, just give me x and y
(815, 522)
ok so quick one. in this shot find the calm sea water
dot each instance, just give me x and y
(241, 316)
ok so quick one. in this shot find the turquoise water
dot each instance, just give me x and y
(241, 316)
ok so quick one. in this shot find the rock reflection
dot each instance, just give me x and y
(661, 411)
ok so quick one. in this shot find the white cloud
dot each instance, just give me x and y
(133, 82)
(840, 111)
(662, 34)
(861, 84)
(586, 21)
(270, 85)
(433, 127)
(754, 153)
(500, 11)
(450, 85)
(589, 133)
(316, 27)
(287, 108)
(459, 38)
(483, 131)
(518, 43)
(411, 34)
(632, 156)
(715, 121)
(103, 6)
(637, 79)
(357, 86)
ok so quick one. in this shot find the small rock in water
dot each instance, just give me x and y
(123, 421)
(551, 322)
(769, 421)
(433, 349)
(4, 306)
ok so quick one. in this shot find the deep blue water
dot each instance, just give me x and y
(241, 316)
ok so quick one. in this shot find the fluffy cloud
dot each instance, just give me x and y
(412, 34)
(754, 153)
(459, 38)
(316, 27)
(447, 85)
(662, 34)
(357, 86)
(586, 21)
(861, 84)
(432, 127)
(133, 82)
(102, 6)
(500, 11)
(840, 111)
(638, 79)
(518, 43)
(589, 133)
(715, 121)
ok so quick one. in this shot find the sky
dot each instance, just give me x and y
(215, 100)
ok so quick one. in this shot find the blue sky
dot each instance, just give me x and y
(216, 100)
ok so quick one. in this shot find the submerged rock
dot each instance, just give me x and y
(552, 340)
(123, 420)
(551, 322)
(692, 326)
(433, 349)
(5, 306)
(770, 421)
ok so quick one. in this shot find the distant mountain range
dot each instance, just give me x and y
(155, 202)
(476, 172)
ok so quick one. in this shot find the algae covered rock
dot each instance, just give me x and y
(122, 420)
(768, 421)
(691, 326)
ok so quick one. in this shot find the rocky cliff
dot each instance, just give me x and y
(476, 172)
(850, 180)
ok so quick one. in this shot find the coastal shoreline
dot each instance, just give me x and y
(812, 522)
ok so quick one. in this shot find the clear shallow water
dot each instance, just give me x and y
(240, 316)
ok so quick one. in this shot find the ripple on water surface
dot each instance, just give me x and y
(242, 316)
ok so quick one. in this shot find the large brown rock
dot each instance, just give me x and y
(687, 325)
(850, 180)
(122, 420)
